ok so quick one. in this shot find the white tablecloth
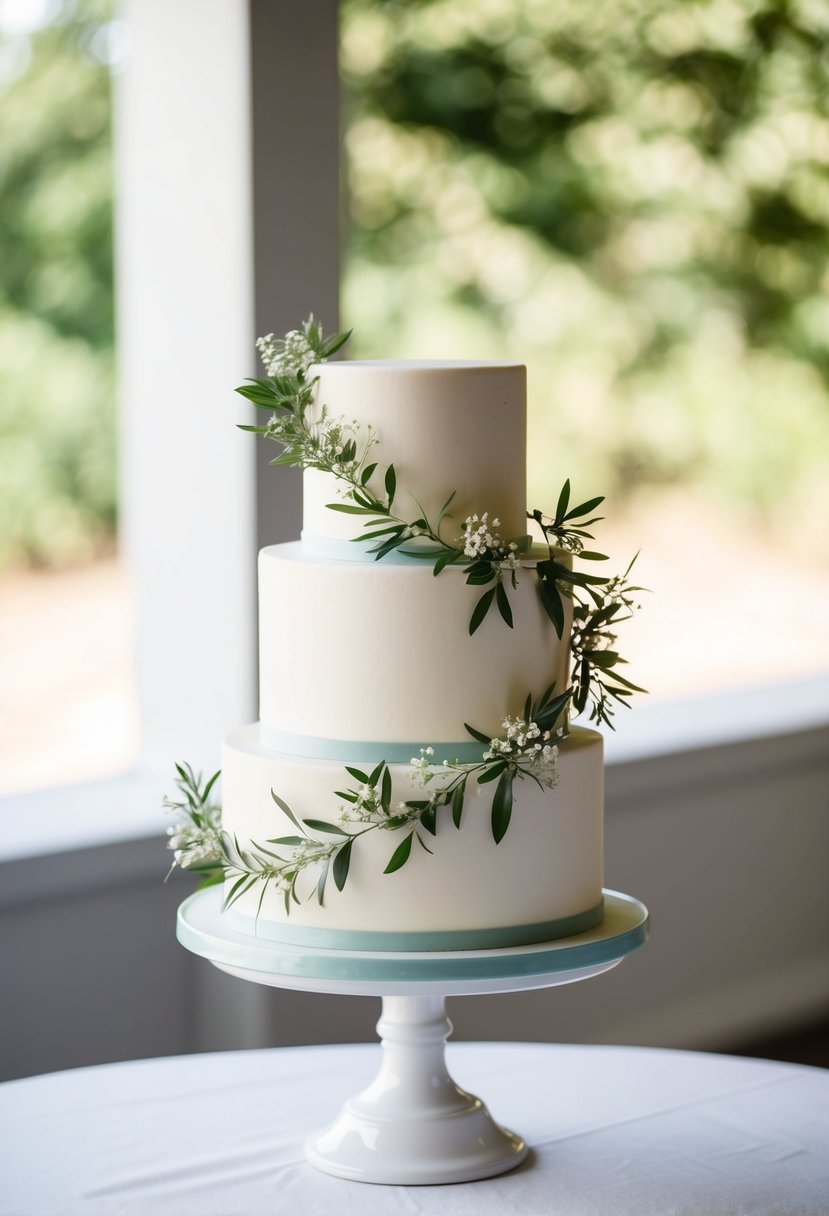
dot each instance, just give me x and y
(616, 1131)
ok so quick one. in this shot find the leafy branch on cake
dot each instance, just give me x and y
(527, 749)
(312, 439)
(600, 605)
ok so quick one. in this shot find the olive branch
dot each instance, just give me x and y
(527, 750)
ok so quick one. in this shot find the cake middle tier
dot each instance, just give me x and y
(354, 652)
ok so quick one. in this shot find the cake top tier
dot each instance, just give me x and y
(446, 426)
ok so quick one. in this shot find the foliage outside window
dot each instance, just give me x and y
(57, 416)
(633, 198)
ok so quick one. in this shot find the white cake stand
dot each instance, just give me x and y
(413, 1125)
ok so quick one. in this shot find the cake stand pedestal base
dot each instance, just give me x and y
(413, 1125)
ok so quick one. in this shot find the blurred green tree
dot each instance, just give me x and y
(57, 426)
(633, 197)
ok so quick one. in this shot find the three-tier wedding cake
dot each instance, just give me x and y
(414, 782)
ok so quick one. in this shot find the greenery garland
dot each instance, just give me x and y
(527, 750)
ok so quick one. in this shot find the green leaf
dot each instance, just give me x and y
(341, 863)
(396, 529)
(502, 600)
(429, 819)
(443, 561)
(212, 880)
(385, 796)
(321, 825)
(367, 472)
(457, 802)
(290, 840)
(265, 399)
(286, 810)
(551, 600)
(390, 483)
(494, 769)
(446, 506)
(563, 500)
(481, 609)
(502, 806)
(547, 717)
(400, 855)
(236, 891)
(584, 508)
(255, 430)
(348, 795)
(358, 774)
(617, 675)
(334, 343)
(347, 509)
(588, 555)
(382, 550)
(375, 774)
(477, 734)
(322, 881)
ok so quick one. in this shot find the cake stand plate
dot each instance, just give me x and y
(413, 1125)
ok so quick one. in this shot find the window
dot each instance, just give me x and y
(66, 670)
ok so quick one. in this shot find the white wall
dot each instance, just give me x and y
(728, 847)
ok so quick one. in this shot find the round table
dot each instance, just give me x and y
(619, 1131)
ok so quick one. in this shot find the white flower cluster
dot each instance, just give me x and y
(365, 809)
(477, 535)
(321, 443)
(481, 540)
(309, 853)
(193, 845)
(290, 354)
(421, 770)
(526, 743)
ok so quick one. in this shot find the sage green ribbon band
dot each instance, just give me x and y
(353, 751)
(500, 938)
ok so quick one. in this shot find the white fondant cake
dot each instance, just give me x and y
(364, 661)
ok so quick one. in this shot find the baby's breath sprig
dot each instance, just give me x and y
(195, 837)
(324, 443)
(527, 748)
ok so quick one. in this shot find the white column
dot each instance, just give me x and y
(185, 333)
(227, 226)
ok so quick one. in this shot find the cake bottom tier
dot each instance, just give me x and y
(543, 880)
